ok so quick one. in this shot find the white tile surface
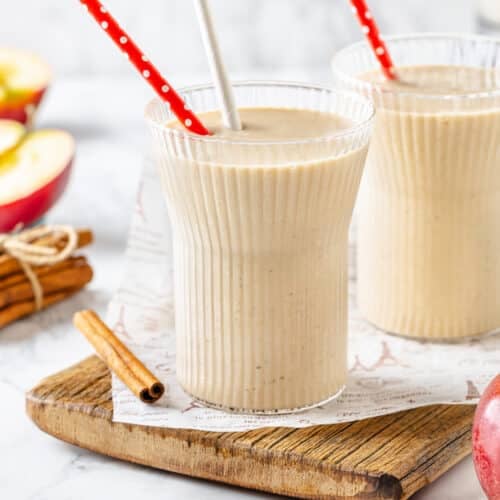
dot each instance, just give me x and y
(105, 115)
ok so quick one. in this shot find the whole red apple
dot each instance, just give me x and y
(486, 440)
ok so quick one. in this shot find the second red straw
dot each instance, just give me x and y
(372, 33)
(145, 67)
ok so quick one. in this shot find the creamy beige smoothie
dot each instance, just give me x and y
(260, 258)
(429, 214)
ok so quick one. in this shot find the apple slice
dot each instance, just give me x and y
(33, 176)
(24, 78)
(10, 135)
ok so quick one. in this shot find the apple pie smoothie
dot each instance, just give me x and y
(429, 205)
(260, 221)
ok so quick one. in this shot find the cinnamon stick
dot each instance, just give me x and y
(21, 309)
(10, 265)
(118, 358)
(17, 278)
(76, 276)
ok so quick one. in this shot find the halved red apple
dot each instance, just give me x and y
(33, 176)
(24, 78)
(11, 133)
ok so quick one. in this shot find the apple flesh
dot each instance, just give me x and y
(486, 440)
(33, 176)
(11, 133)
(24, 78)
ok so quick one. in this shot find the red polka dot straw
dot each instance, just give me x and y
(372, 33)
(145, 67)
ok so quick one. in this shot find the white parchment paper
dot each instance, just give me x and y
(387, 374)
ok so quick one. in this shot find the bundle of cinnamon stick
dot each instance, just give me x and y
(57, 281)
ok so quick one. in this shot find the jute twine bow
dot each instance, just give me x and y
(20, 246)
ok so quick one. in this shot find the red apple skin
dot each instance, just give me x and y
(486, 440)
(17, 110)
(30, 208)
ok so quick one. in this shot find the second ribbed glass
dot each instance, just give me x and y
(429, 205)
(260, 251)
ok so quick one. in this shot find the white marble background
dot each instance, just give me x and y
(99, 100)
(255, 34)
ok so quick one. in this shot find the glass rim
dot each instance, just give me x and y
(355, 129)
(369, 86)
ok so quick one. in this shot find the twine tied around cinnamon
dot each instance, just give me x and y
(19, 245)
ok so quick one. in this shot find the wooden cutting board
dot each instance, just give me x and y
(387, 457)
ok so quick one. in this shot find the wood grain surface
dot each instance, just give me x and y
(388, 457)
